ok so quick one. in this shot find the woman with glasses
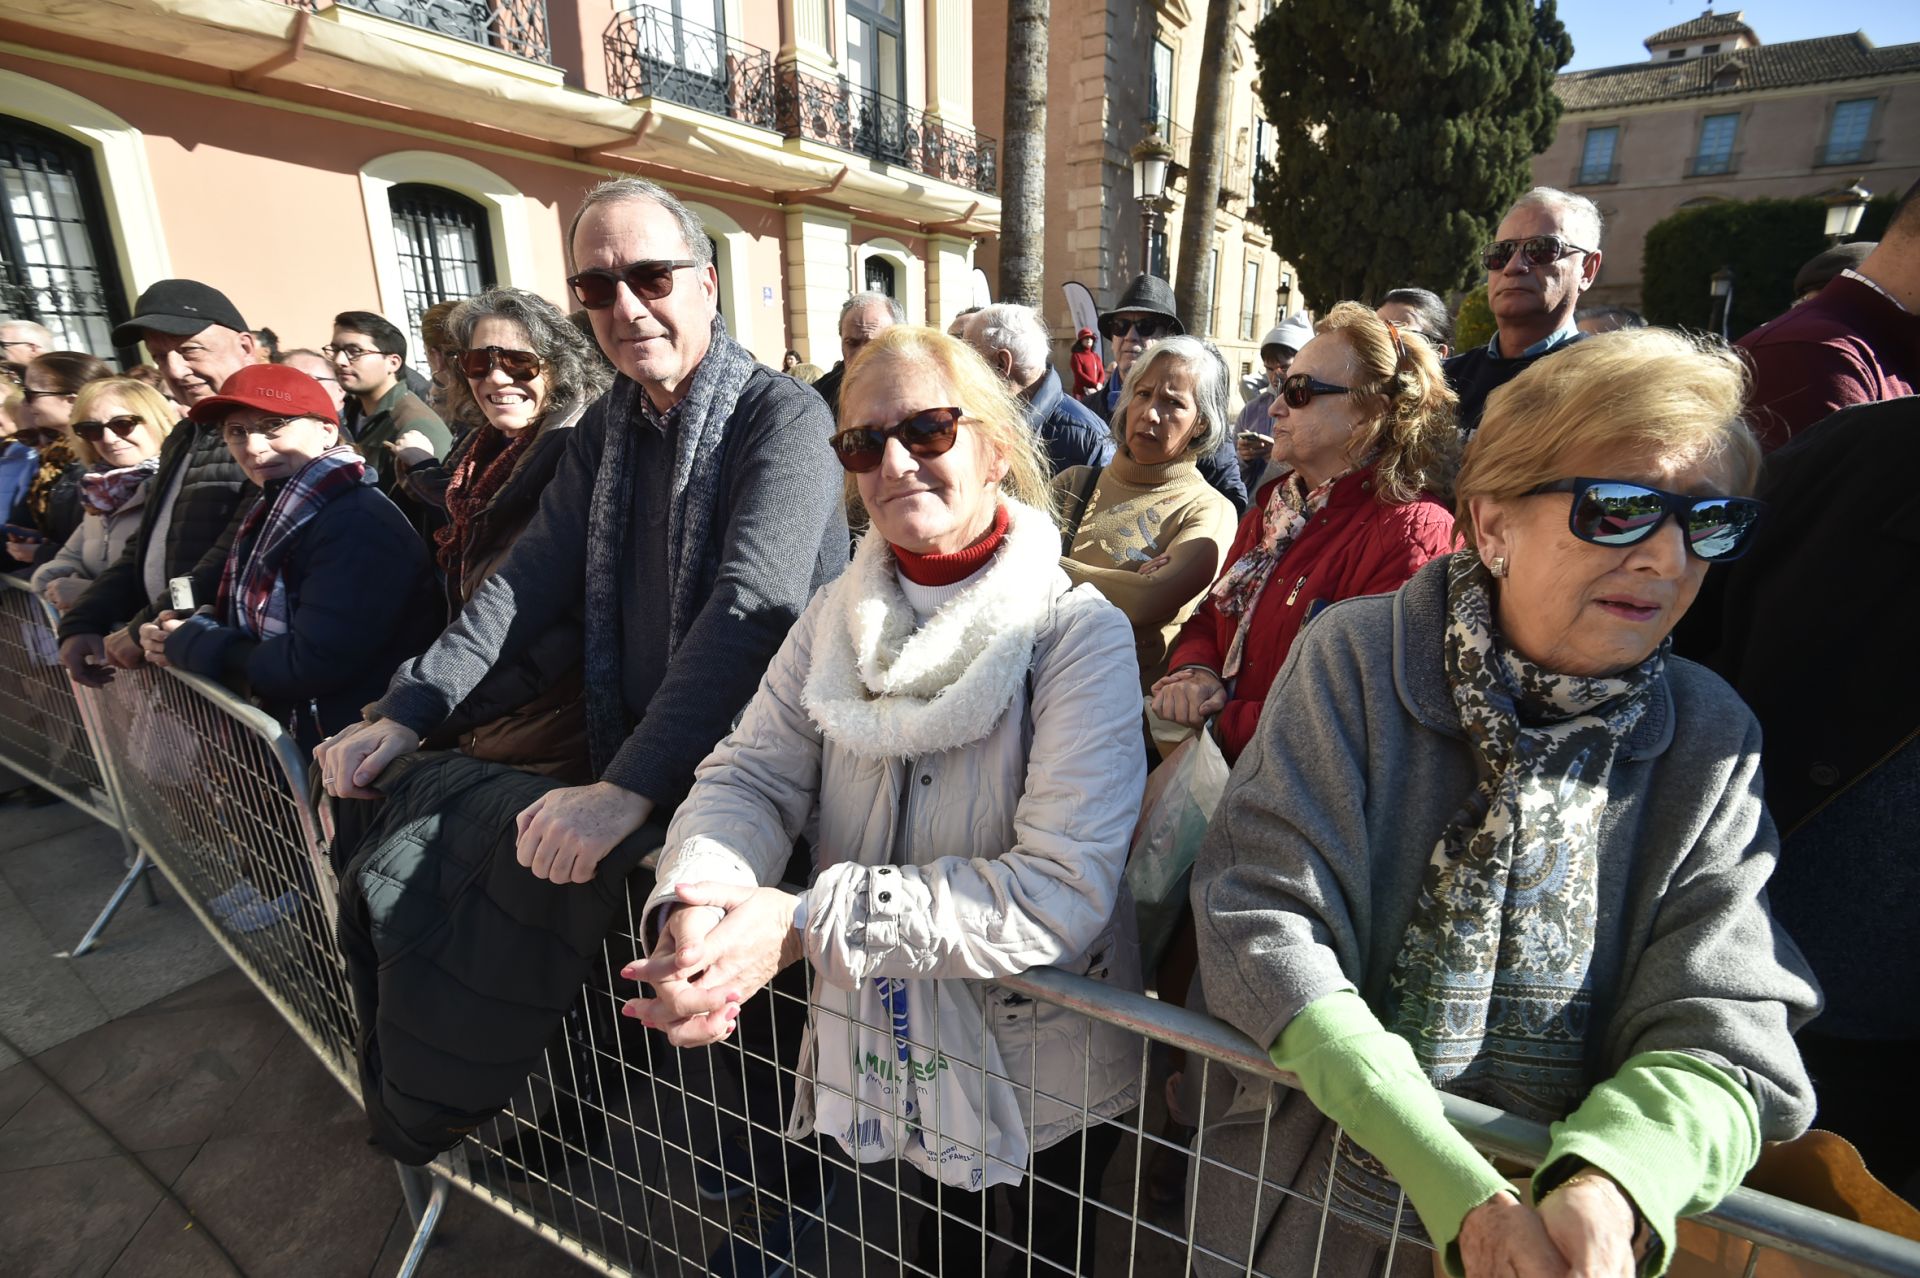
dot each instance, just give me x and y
(932, 710)
(1492, 840)
(49, 384)
(520, 376)
(117, 428)
(1364, 422)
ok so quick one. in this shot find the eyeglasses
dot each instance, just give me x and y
(270, 427)
(29, 395)
(521, 366)
(1611, 512)
(598, 288)
(348, 353)
(123, 426)
(927, 433)
(1537, 250)
(1150, 327)
(1299, 389)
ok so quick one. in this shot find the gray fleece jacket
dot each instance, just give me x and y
(1312, 867)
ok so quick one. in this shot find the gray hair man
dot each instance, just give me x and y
(1014, 340)
(864, 317)
(197, 339)
(21, 340)
(671, 528)
(1545, 255)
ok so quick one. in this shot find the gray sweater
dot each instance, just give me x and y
(780, 528)
(1312, 867)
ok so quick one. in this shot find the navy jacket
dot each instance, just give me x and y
(1068, 429)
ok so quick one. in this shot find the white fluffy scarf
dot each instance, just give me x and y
(884, 687)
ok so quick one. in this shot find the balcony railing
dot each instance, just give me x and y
(1596, 174)
(1713, 165)
(656, 54)
(872, 124)
(1845, 153)
(518, 27)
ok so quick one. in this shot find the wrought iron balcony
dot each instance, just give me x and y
(518, 27)
(872, 124)
(656, 54)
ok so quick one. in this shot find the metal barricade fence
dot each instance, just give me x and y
(44, 737)
(640, 1158)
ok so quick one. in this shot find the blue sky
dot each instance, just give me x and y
(1608, 32)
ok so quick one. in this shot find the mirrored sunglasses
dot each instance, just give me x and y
(927, 433)
(1612, 512)
(598, 287)
(1536, 250)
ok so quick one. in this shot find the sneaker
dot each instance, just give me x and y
(730, 1173)
(263, 913)
(237, 897)
(765, 1240)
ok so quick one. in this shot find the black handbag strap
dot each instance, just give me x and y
(1083, 497)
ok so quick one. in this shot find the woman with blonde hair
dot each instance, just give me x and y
(116, 429)
(949, 711)
(1365, 423)
(1492, 840)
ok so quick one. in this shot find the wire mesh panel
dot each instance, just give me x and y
(41, 734)
(215, 791)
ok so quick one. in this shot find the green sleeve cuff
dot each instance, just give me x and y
(1675, 1132)
(1366, 1079)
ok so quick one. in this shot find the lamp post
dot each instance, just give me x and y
(1150, 159)
(1721, 290)
(1844, 211)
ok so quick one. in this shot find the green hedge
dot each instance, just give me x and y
(1765, 242)
(1473, 322)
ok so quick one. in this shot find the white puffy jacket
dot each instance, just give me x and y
(971, 863)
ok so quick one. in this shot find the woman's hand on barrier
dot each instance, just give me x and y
(123, 651)
(1504, 1238)
(1189, 697)
(153, 636)
(1592, 1224)
(64, 592)
(565, 834)
(351, 761)
(700, 984)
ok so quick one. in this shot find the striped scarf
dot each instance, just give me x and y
(253, 594)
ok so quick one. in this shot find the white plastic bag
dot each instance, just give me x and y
(906, 1069)
(1179, 802)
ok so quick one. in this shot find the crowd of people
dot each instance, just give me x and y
(1511, 767)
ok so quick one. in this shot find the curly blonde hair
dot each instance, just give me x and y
(991, 409)
(1412, 414)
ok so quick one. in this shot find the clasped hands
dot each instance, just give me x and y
(1583, 1229)
(719, 944)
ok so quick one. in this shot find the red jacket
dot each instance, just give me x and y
(1357, 545)
(1088, 371)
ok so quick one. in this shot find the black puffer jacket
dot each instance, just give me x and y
(211, 486)
(461, 962)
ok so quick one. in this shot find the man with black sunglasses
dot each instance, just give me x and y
(1545, 255)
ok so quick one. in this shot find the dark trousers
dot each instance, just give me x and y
(1862, 1087)
(1060, 1210)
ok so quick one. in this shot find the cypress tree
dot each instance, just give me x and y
(1405, 128)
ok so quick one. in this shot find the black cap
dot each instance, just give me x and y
(180, 307)
(1149, 295)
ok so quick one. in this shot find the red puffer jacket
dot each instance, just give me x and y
(1357, 545)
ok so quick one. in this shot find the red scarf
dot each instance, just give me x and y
(477, 478)
(945, 570)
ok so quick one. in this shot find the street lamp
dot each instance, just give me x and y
(1150, 160)
(1844, 211)
(1721, 290)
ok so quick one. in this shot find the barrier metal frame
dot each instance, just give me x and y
(510, 1162)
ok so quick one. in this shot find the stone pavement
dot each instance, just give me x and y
(165, 1121)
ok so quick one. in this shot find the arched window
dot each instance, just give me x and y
(56, 259)
(445, 248)
(881, 277)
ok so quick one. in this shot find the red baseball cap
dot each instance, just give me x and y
(273, 388)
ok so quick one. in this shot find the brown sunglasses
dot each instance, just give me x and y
(928, 433)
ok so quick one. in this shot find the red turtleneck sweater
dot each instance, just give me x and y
(945, 570)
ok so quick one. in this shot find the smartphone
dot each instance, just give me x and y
(1255, 437)
(20, 532)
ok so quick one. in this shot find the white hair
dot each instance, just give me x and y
(30, 332)
(1017, 330)
(1578, 214)
(874, 298)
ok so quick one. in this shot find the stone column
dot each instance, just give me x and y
(819, 255)
(949, 60)
(808, 36)
(949, 278)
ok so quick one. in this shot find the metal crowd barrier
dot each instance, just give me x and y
(638, 1158)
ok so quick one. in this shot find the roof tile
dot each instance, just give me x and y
(1770, 66)
(1707, 24)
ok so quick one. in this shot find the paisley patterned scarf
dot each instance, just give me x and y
(105, 491)
(1289, 507)
(1492, 986)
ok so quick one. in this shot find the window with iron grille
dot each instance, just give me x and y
(445, 245)
(57, 265)
(880, 277)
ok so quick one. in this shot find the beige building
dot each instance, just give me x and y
(1717, 114)
(1113, 68)
(311, 157)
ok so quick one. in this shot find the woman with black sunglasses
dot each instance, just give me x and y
(117, 428)
(1363, 425)
(520, 377)
(1491, 840)
(49, 385)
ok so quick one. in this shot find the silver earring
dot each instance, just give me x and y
(1497, 565)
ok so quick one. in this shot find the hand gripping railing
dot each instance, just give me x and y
(44, 735)
(640, 1158)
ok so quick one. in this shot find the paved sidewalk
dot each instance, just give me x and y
(166, 1121)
